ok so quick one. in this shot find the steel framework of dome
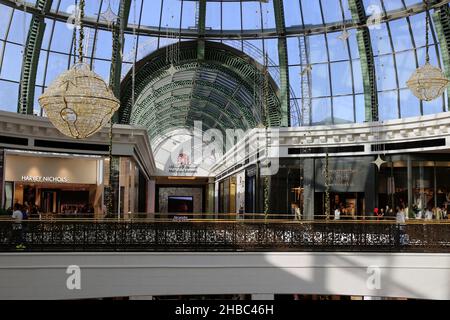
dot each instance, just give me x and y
(220, 89)
(336, 61)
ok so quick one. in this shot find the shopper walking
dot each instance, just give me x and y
(401, 225)
(17, 228)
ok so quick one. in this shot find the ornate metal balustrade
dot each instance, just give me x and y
(225, 236)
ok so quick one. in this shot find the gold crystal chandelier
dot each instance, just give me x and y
(428, 82)
(79, 102)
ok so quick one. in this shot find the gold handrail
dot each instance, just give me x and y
(220, 221)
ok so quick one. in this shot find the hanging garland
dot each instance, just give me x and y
(116, 40)
(266, 125)
(327, 188)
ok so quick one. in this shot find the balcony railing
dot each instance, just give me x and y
(140, 235)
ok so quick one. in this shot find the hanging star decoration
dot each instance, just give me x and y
(109, 15)
(344, 35)
(172, 70)
(306, 70)
(379, 162)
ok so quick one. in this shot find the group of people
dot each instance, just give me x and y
(403, 213)
(27, 210)
(436, 213)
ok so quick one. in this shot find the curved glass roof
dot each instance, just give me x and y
(335, 85)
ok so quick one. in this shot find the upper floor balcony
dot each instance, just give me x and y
(258, 235)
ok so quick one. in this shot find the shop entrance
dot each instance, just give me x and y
(351, 204)
(63, 200)
(50, 201)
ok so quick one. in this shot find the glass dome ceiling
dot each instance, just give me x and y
(336, 90)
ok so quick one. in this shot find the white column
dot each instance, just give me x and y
(151, 194)
(216, 198)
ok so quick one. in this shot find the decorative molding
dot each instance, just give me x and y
(393, 131)
(33, 127)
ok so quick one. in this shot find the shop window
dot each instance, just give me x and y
(392, 187)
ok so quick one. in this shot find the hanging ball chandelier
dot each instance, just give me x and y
(427, 83)
(79, 103)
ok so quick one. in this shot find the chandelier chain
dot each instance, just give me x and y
(81, 36)
(427, 29)
(110, 209)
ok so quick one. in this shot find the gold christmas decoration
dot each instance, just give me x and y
(79, 103)
(428, 82)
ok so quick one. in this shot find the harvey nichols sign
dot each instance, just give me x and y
(45, 179)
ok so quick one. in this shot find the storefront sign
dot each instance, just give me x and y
(183, 170)
(183, 166)
(51, 170)
(45, 179)
(349, 175)
(341, 177)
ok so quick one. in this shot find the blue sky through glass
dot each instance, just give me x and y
(336, 79)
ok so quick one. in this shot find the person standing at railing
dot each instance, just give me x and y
(337, 214)
(17, 227)
(400, 217)
(428, 214)
(401, 224)
(444, 212)
(379, 213)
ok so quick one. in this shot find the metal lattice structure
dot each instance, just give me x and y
(305, 81)
(31, 54)
(85, 236)
(442, 21)
(191, 20)
(367, 61)
(219, 90)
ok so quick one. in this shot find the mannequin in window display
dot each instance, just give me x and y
(420, 207)
(400, 216)
(428, 214)
(295, 210)
(298, 213)
(407, 212)
(337, 213)
(389, 212)
(420, 214)
(437, 213)
(445, 212)
(351, 210)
